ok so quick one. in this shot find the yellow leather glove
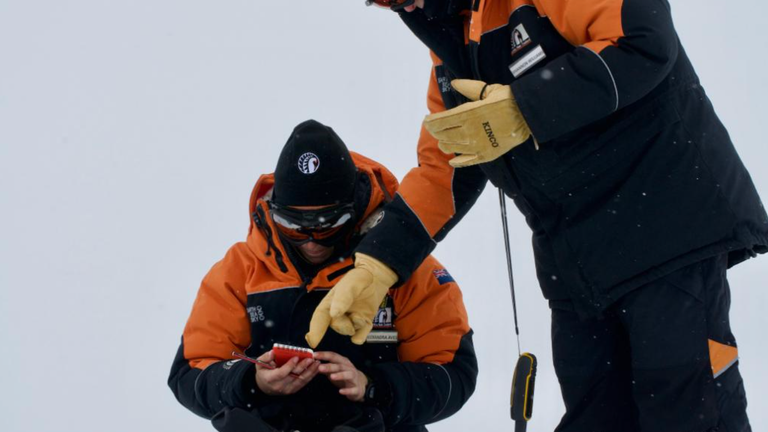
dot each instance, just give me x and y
(482, 130)
(349, 308)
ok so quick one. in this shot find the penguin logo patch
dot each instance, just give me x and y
(309, 163)
(520, 39)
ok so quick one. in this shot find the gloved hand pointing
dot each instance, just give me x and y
(482, 130)
(349, 308)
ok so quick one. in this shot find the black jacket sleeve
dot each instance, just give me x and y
(431, 200)
(422, 393)
(222, 384)
(625, 49)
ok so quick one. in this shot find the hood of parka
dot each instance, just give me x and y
(266, 245)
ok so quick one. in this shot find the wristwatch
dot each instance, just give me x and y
(370, 390)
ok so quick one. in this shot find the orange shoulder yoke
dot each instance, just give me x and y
(431, 318)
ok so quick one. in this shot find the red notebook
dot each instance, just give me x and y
(283, 353)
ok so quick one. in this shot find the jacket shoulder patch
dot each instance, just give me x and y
(442, 276)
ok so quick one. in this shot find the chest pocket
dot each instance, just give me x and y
(523, 46)
(269, 314)
(381, 345)
(283, 315)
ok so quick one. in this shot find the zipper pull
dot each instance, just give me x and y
(260, 225)
(280, 262)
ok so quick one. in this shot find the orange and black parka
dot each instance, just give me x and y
(634, 176)
(420, 354)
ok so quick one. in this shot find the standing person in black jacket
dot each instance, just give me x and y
(590, 116)
(417, 366)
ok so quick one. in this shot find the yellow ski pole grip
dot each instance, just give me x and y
(523, 383)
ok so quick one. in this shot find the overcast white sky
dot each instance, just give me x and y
(131, 134)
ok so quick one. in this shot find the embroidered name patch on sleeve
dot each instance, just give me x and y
(443, 277)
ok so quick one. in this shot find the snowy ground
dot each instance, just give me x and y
(131, 134)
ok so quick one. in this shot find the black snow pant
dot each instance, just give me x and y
(348, 418)
(661, 359)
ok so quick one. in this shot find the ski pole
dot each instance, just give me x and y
(524, 378)
(505, 228)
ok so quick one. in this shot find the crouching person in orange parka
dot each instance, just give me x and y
(416, 367)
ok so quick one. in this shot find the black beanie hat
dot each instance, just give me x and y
(314, 168)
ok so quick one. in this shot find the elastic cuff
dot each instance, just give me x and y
(378, 392)
(247, 393)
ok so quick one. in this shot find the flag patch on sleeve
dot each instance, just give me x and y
(442, 276)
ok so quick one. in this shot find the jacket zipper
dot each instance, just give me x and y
(302, 293)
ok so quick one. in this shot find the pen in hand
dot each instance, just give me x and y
(258, 362)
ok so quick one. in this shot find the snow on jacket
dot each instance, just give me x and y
(635, 176)
(256, 297)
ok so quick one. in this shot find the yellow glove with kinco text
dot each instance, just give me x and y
(349, 308)
(482, 130)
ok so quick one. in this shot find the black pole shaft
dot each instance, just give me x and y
(503, 206)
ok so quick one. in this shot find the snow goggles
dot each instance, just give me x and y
(394, 5)
(325, 226)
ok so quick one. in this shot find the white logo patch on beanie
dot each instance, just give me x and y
(309, 163)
